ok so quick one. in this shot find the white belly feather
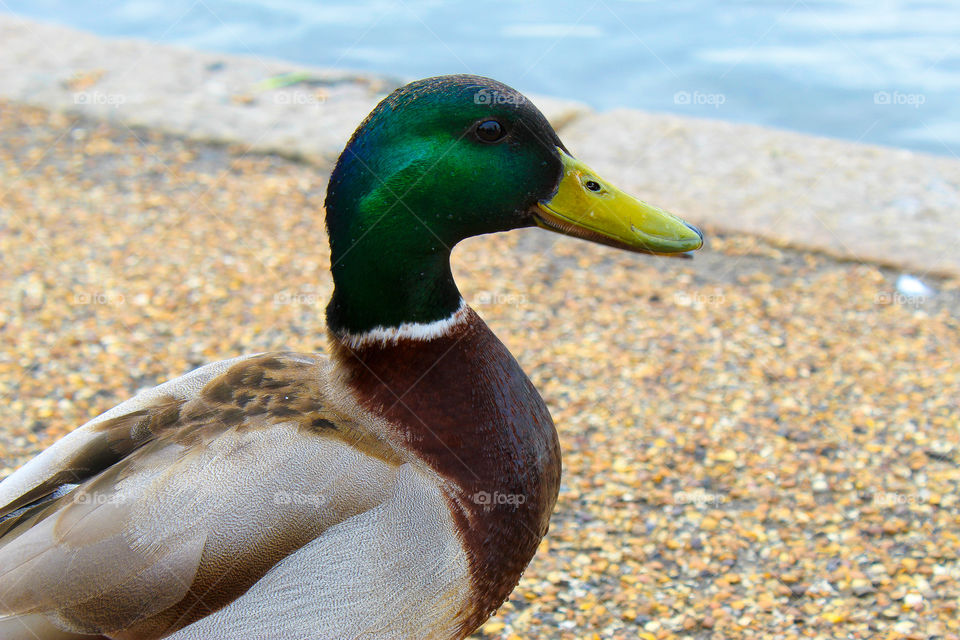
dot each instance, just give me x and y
(395, 572)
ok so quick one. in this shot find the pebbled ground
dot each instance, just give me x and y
(758, 443)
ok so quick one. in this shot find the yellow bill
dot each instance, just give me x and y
(586, 206)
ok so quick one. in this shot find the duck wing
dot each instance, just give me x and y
(173, 504)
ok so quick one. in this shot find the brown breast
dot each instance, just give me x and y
(461, 403)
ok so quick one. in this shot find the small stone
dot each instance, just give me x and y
(493, 627)
(912, 600)
(894, 526)
(727, 455)
(834, 617)
(904, 626)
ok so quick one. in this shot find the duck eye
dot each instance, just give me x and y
(490, 131)
(592, 185)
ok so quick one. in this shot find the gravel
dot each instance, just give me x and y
(758, 443)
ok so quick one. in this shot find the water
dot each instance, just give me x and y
(880, 72)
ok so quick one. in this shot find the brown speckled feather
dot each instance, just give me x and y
(176, 510)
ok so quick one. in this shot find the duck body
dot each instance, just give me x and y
(400, 532)
(393, 489)
(352, 517)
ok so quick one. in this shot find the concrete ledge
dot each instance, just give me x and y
(852, 201)
(856, 202)
(202, 95)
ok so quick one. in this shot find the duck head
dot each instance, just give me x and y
(447, 158)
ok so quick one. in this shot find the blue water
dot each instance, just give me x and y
(884, 72)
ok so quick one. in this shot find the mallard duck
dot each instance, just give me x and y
(396, 488)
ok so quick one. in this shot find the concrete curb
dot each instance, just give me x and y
(201, 95)
(853, 201)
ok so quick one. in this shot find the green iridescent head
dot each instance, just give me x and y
(447, 158)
